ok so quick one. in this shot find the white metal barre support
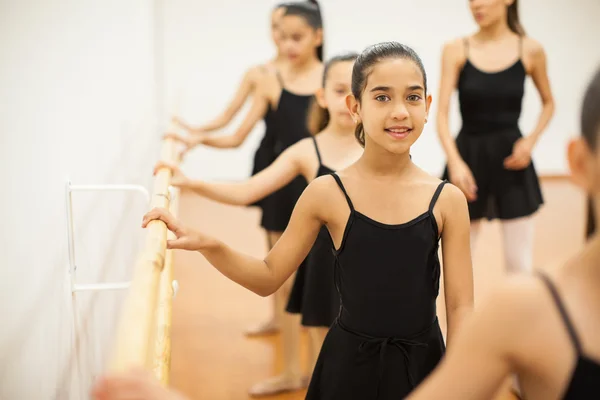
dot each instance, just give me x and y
(71, 235)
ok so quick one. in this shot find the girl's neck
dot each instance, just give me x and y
(379, 162)
(304, 65)
(496, 31)
(339, 130)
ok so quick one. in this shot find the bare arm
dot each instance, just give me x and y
(281, 172)
(245, 89)
(448, 81)
(260, 105)
(456, 253)
(263, 277)
(539, 74)
(481, 358)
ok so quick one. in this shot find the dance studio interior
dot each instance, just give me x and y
(287, 200)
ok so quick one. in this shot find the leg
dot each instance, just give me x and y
(271, 326)
(291, 378)
(316, 338)
(518, 244)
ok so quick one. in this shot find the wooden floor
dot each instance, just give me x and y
(213, 360)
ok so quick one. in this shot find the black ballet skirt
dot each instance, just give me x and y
(264, 156)
(387, 338)
(490, 105)
(289, 126)
(314, 294)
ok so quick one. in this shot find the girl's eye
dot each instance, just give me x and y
(414, 97)
(339, 91)
(382, 97)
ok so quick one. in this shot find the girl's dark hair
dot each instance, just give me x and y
(512, 17)
(590, 129)
(311, 12)
(318, 117)
(364, 64)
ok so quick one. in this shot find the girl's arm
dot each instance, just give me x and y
(457, 264)
(448, 81)
(459, 172)
(245, 89)
(281, 172)
(263, 277)
(247, 86)
(260, 105)
(539, 74)
(483, 353)
(521, 155)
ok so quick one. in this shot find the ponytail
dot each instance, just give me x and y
(591, 220)
(318, 118)
(512, 18)
(320, 48)
(359, 133)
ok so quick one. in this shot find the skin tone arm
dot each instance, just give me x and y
(460, 174)
(262, 277)
(258, 110)
(482, 356)
(281, 172)
(456, 253)
(521, 156)
(448, 81)
(247, 86)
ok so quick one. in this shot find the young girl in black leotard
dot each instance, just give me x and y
(385, 216)
(264, 154)
(490, 159)
(544, 328)
(333, 147)
(287, 93)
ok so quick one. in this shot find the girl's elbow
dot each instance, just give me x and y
(265, 290)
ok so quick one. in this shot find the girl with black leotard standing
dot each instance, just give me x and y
(333, 147)
(543, 328)
(264, 154)
(385, 217)
(490, 161)
(287, 93)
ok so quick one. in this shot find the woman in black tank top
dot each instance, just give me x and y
(314, 294)
(385, 217)
(543, 328)
(491, 160)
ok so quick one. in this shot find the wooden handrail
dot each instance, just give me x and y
(137, 331)
(162, 342)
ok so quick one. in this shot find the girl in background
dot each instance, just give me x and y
(333, 147)
(287, 93)
(264, 153)
(490, 161)
(543, 328)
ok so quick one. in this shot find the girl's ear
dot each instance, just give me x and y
(354, 107)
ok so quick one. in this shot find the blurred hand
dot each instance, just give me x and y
(521, 155)
(186, 239)
(460, 175)
(178, 179)
(137, 384)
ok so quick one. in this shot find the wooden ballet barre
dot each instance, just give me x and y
(139, 338)
(162, 342)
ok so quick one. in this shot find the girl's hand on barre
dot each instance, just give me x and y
(138, 384)
(188, 142)
(178, 179)
(186, 239)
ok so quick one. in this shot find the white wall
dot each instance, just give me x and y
(77, 94)
(209, 48)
